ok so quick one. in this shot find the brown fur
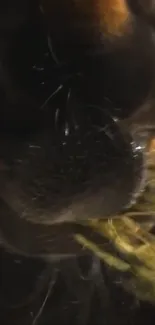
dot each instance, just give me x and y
(91, 18)
(113, 15)
(40, 182)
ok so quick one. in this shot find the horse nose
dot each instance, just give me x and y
(99, 163)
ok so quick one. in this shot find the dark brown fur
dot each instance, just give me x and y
(40, 182)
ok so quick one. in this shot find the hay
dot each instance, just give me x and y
(132, 240)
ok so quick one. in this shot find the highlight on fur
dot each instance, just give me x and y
(113, 16)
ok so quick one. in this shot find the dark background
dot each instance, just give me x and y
(71, 298)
